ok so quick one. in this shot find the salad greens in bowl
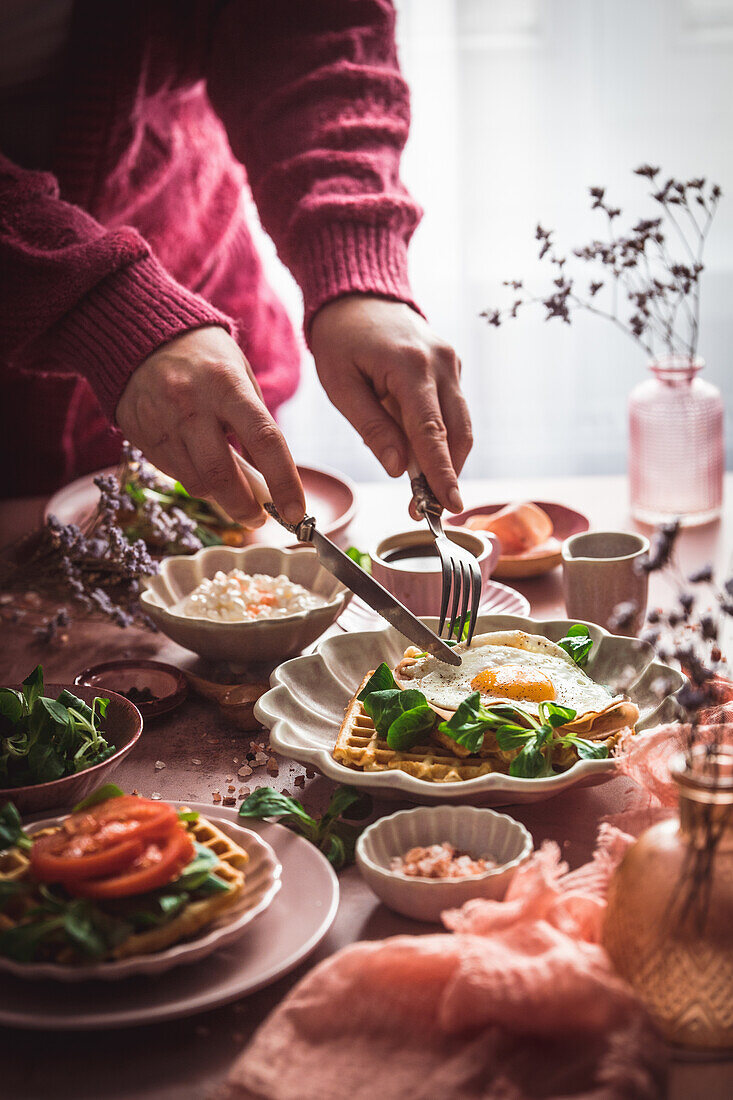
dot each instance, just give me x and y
(58, 742)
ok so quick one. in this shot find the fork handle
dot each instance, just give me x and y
(422, 495)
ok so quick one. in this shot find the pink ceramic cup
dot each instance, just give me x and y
(417, 583)
(602, 579)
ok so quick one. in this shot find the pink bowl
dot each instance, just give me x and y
(123, 725)
(420, 589)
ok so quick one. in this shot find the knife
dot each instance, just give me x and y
(352, 575)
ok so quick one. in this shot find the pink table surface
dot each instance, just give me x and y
(187, 1059)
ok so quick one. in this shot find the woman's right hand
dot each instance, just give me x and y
(179, 406)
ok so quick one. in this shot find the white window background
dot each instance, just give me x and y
(518, 107)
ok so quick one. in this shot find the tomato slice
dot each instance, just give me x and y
(160, 862)
(101, 841)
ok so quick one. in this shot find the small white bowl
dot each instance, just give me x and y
(482, 833)
(261, 640)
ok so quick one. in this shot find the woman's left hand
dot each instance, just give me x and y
(368, 349)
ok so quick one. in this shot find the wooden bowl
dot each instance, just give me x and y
(123, 724)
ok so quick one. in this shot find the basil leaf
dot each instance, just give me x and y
(588, 750)
(385, 707)
(12, 705)
(11, 829)
(362, 560)
(187, 816)
(578, 643)
(512, 737)
(22, 941)
(266, 802)
(531, 762)
(472, 720)
(554, 715)
(109, 790)
(341, 799)
(33, 686)
(380, 680)
(80, 928)
(411, 727)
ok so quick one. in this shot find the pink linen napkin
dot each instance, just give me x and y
(519, 1001)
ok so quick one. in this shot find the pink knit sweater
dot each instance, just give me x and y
(140, 231)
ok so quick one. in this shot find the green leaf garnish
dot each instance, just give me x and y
(363, 560)
(109, 790)
(578, 643)
(335, 838)
(411, 727)
(380, 680)
(42, 739)
(11, 829)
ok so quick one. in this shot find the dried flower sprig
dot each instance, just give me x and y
(661, 291)
(689, 634)
(95, 569)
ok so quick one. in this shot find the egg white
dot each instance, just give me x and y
(445, 686)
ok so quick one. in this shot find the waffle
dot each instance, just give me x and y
(359, 746)
(14, 865)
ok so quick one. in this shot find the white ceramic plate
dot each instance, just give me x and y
(496, 599)
(261, 883)
(293, 926)
(305, 706)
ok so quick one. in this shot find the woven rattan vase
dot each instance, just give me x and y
(669, 922)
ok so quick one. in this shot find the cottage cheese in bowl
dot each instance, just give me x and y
(237, 597)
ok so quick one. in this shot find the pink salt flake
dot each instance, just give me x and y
(440, 861)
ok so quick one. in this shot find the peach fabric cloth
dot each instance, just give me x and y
(519, 1001)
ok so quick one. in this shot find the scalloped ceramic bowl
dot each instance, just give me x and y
(261, 884)
(482, 833)
(241, 643)
(305, 706)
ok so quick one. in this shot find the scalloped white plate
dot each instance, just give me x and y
(308, 696)
(261, 884)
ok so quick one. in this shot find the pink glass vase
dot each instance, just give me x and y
(676, 456)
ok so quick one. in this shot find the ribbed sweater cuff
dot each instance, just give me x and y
(123, 320)
(352, 258)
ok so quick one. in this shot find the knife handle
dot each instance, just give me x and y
(303, 530)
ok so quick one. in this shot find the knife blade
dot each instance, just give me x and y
(349, 573)
(378, 598)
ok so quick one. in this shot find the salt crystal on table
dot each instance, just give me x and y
(159, 765)
(259, 760)
(230, 788)
(300, 781)
(244, 792)
(228, 778)
(215, 796)
(244, 771)
(229, 800)
(195, 760)
(273, 767)
(310, 773)
(155, 795)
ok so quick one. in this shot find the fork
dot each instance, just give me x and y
(461, 573)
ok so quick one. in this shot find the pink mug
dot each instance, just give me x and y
(409, 567)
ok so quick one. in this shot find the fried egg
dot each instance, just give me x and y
(507, 666)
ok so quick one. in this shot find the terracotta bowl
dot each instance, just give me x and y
(533, 563)
(123, 725)
(420, 589)
(243, 643)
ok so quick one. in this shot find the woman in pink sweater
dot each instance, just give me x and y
(131, 290)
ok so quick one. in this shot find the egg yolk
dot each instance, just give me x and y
(514, 682)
